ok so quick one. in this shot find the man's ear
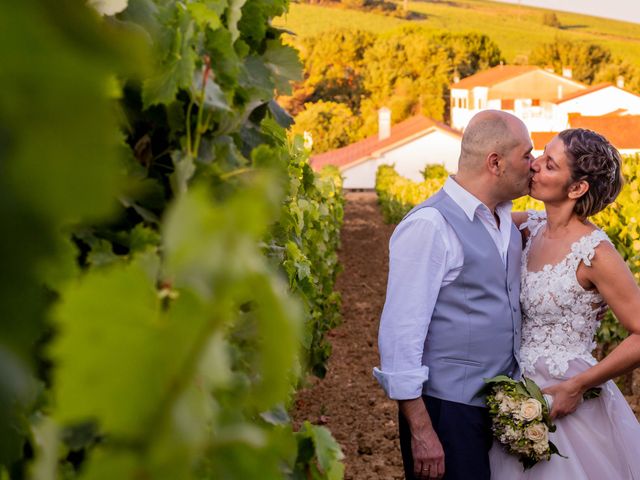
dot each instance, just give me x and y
(578, 189)
(494, 162)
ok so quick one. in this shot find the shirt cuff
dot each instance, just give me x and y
(405, 385)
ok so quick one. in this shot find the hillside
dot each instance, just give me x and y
(516, 29)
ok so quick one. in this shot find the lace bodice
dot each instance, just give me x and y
(558, 317)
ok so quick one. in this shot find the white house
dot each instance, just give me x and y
(527, 91)
(542, 99)
(410, 146)
(598, 100)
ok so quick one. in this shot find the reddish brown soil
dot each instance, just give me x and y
(348, 400)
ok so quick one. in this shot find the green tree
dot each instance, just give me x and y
(629, 73)
(407, 70)
(333, 64)
(469, 53)
(586, 59)
(410, 71)
(331, 125)
(550, 19)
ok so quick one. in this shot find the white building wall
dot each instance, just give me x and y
(480, 98)
(543, 118)
(460, 108)
(409, 159)
(460, 117)
(602, 102)
(629, 151)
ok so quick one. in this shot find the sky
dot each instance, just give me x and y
(628, 10)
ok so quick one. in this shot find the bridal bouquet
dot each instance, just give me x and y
(520, 418)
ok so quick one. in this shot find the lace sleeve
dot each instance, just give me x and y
(536, 218)
(585, 249)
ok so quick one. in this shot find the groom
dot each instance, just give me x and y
(452, 312)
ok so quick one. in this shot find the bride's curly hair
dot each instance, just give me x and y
(593, 159)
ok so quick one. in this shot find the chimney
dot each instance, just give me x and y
(567, 72)
(456, 78)
(620, 81)
(384, 123)
(559, 92)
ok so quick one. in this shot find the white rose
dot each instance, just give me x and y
(530, 409)
(537, 433)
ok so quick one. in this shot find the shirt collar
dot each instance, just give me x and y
(470, 203)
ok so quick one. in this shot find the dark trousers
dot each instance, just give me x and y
(465, 434)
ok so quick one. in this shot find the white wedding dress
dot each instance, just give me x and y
(602, 437)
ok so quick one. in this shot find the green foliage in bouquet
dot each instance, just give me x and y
(169, 254)
(520, 419)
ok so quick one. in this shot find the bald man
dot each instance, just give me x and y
(452, 316)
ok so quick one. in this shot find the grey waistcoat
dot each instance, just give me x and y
(475, 327)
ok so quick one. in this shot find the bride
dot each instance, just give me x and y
(569, 266)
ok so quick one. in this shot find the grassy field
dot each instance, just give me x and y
(516, 29)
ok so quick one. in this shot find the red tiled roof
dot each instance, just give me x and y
(622, 131)
(364, 148)
(540, 139)
(494, 75)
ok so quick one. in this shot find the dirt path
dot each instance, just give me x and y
(349, 401)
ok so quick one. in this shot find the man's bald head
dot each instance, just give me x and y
(488, 131)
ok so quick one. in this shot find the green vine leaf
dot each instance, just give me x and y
(213, 98)
(204, 15)
(234, 14)
(284, 63)
(185, 167)
(177, 69)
